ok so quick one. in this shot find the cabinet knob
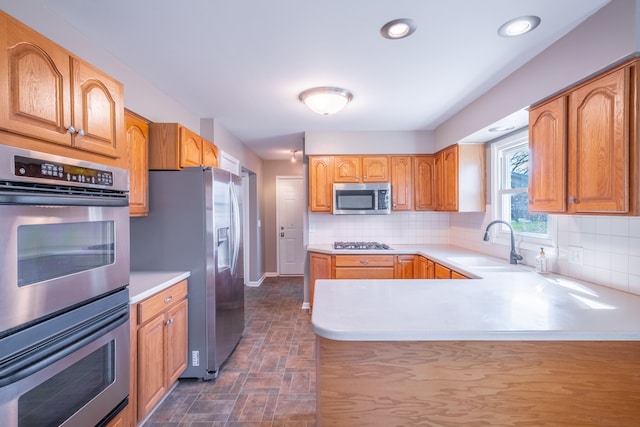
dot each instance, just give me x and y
(364, 261)
(71, 130)
(170, 321)
(167, 299)
(80, 132)
(573, 200)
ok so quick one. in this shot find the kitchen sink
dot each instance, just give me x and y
(485, 263)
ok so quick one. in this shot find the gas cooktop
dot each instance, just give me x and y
(360, 245)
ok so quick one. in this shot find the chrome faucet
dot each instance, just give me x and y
(514, 257)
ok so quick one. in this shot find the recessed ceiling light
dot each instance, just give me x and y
(398, 29)
(518, 26)
(501, 128)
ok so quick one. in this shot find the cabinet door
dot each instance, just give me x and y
(209, 154)
(456, 275)
(431, 269)
(319, 268)
(450, 178)
(375, 169)
(35, 84)
(176, 341)
(424, 183)
(356, 273)
(438, 188)
(422, 266)
(401, 186)
(406, 267)
(321, 184)
(98, 110)
(138, 142)
(347, 169)
(190, 148)
(151, 365)
(598, 146)
(442, 272)
(548, 156)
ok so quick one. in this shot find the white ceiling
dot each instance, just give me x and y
(244, 62)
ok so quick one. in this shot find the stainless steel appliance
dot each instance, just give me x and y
(360, 245)
(64, 275)
(362, 199)
(194, 225)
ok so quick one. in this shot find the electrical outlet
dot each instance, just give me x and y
(576, 255)
(195, 358)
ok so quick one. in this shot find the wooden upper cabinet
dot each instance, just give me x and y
(460, 178)
(401, 183)
(361, 169)
(321, 183)
(51, 96)
(209, 154)
(137, 130)
(173, 147)
(98, 110)
(599, 145)
(592, 129)
(548, 156)
(424, 175)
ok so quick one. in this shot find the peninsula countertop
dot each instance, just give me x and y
(502, 302)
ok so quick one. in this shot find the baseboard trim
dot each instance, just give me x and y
(256, 283)
(306, 306)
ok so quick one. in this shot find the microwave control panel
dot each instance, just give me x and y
(36, 168)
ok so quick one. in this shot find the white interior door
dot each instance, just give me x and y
(290, 207)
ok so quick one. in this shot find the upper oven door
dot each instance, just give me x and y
(54, 257)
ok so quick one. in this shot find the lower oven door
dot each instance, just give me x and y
(75, 376)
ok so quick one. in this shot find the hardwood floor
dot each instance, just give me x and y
(269, 380)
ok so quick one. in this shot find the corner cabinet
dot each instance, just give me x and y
(161, 345)
(54, 102)
(321, 183)
(460, 178)
(137, 130)
(584, 146)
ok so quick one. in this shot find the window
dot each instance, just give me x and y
(510, 191)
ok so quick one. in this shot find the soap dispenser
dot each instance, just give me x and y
(541, 262)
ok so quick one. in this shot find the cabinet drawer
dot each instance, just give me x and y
(150, 307)
(364, 260)
(365, 273)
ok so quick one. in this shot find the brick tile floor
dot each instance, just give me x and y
(268, 381)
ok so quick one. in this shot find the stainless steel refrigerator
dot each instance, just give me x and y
(194, 224)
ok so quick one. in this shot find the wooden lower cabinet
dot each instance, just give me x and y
(456, 275)
(364, 267)
(442, 272)
(406, 267)
(161, 345)
(320, 267)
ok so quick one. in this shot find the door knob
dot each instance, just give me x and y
(282, 234)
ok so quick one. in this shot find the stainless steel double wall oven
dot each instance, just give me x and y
(64, 271)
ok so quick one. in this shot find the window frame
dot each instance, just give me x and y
(524, 240)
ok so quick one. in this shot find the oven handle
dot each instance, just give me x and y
(35, 359)
(60, 200)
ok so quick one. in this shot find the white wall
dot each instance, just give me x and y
(400, 142)
(607, 36)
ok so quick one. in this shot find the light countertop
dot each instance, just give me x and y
(143, 284)
(502, 302)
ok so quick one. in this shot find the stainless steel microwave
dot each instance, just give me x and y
(362, 199)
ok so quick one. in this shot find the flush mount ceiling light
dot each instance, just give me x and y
(518, 26)
(398, 29)
(325, 100)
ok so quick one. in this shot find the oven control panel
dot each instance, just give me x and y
(37, 168)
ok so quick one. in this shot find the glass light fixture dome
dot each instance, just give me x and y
(326, 100)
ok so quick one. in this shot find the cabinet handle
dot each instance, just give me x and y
(170, 321)
(364, 261)
(167, 299)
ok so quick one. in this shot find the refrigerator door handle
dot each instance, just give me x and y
(235, 227)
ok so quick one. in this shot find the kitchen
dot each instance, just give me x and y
(445, 227)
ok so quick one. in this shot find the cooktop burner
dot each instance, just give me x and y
(360, 245)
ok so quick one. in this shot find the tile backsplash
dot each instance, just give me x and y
(609, 247)
(396, 228)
